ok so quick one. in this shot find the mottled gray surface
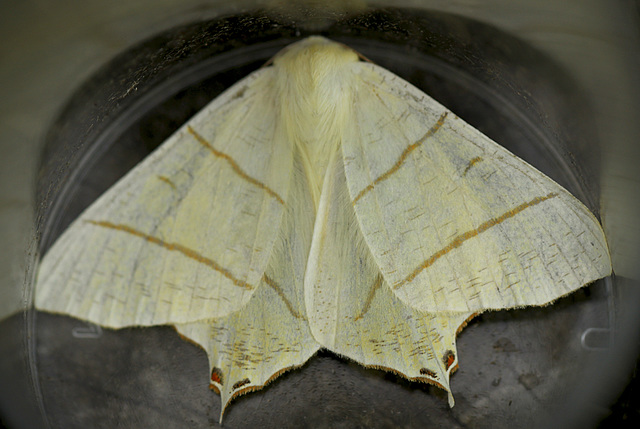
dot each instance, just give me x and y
(516, 368)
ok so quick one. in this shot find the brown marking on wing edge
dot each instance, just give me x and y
(457, 241)
(473, 162)
(254, 388)
(372, 293)
(282, 296)
(241, 383)
(428, 373)
(402, 158)
(234, 166)
(466, 321)
(216, 376)
(174, 247)
(401, 374)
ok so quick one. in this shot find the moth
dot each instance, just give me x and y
(322, 202)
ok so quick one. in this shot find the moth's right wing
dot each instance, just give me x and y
(188, 233)
(352, 310)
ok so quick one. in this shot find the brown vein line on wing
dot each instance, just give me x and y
(234, 166)
(372, 294)
(174, 247)
(457, 241)
(403, 157)
(168, 181)
(282, 296)
(473, 162)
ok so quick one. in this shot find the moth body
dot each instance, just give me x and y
(322, 202)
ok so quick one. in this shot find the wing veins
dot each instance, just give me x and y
(177, 247)
(273, 285)
(402, 158)
(372, 293)
(234, 166)
(457, 242)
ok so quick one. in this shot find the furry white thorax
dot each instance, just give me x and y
(316, 101)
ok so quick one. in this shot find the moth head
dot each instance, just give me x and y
(315, 56)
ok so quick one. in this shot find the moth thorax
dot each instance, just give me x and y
(315, 91)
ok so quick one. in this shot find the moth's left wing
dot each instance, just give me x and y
(271, 334)
(455, 222)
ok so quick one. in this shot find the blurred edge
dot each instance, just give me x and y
(50, 48)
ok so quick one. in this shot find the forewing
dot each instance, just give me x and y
(455, 222)
(187, 234)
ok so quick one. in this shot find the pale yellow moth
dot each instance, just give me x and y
(322, 202)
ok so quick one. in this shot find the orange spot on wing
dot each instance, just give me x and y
(449, 358)
(216, 376)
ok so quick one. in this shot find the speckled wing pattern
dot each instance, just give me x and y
(169, 242)
(352, 310)
(455, 222)
(271, 333)
(420, 223)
